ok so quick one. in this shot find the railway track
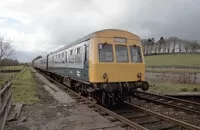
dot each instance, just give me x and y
(132, 116)
(175, 103)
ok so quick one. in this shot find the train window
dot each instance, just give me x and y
(135, 54)
(105, 52)
(62, 57)
(86, 53)
(121, 53)
(65, 57)
(71, 52)
(78, 50)
(56, 59)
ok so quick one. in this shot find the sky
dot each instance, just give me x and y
(38, 27)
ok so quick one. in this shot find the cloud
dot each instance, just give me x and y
(40, 26)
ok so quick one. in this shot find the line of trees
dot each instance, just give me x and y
(170, 45)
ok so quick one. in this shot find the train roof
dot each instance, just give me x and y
(101, 33)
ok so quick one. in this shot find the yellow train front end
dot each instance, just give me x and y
(116, 64)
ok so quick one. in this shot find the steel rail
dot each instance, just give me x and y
(172, 98)
(167, 118)
(190, 111)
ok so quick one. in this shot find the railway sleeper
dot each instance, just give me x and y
(164, 126)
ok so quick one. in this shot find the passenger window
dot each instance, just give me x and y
(71, 57)
(65, 57)
(105, 52)
(135, 54)
(71, 52)
(121, 53)
(59, 58)
(78, 50)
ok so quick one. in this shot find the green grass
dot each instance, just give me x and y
(24, 87)
(173, 60)
(11, 67)
(174, 70)
(168, 88)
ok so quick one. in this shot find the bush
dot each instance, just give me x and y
(195, 89)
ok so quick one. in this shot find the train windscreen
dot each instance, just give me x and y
(121, 53)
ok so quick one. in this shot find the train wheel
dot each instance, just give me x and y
(107, 99)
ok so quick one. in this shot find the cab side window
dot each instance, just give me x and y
(135, 54)
(105, 52)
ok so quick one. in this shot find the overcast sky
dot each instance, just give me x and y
(40, 26)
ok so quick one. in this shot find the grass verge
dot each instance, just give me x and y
(24, 87)
(169, 88)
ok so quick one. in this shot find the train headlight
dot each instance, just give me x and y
(139, 75)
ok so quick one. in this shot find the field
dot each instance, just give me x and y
(6, 76)
(173, 60)
(182, 63)
(23, 85)
(11, 67)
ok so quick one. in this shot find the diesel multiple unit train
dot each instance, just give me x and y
(107, 65)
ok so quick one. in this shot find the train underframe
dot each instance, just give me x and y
(106, 94)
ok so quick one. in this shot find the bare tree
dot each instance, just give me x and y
(145, 46)
(167, 45)
(6, 49)
(152, 44)
(179, 43)
(162, 45)
(194, 46)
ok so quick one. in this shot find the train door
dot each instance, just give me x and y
(86, 57)
(86, 60)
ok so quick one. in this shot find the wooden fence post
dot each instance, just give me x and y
(6, 102)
